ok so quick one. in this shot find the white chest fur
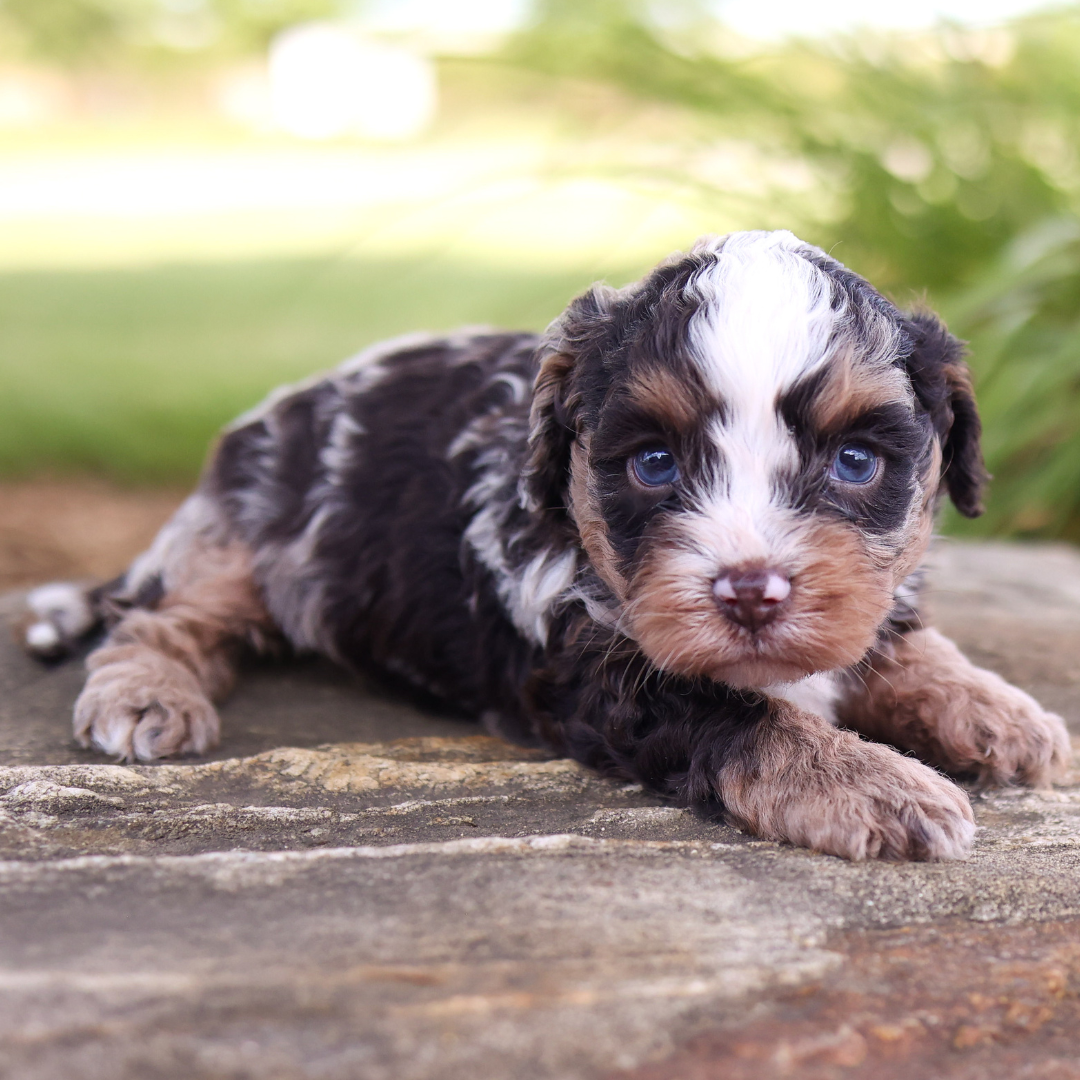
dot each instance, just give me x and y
(816, 693)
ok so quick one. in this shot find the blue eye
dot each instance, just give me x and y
(854, 464)
(655, 466)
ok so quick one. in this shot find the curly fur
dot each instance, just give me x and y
(464, 515)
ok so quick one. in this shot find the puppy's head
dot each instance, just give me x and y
(751, 443)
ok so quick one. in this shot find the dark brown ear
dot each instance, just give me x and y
(551, 434)
(942, 383)
(578, 333)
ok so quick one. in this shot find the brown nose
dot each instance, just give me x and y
(751, 598)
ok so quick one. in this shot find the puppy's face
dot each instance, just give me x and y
(752, 443)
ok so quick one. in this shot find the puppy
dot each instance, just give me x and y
(677, 538)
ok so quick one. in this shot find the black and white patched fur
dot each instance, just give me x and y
(677, 537)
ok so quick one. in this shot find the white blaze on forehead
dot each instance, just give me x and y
(765, 323)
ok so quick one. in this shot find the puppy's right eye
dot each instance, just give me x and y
(655, 466)
(854, 464)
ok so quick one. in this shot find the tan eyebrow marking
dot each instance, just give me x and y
(663, 394)
(851, 388)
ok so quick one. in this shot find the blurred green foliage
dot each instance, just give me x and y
(929, 153)
(1023, 324)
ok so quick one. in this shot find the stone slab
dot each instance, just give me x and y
(351, 888)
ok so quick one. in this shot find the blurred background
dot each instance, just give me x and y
(200, 199)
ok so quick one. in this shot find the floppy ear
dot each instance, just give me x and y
(942, 383)
(551, 434)
(582, 329)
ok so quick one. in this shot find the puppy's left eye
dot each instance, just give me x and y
(655, 466)
(854, 464)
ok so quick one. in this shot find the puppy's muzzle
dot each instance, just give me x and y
(751, 598)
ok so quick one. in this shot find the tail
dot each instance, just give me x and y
(61, 614)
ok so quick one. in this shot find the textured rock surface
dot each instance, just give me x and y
(351, 888)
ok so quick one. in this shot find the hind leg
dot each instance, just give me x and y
(153, 681)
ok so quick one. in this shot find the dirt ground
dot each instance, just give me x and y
(75, 528)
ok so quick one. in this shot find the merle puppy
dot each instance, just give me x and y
(677, 538)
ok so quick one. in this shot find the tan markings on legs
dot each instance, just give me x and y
(152, 682)
(802, 780)
(922, 694)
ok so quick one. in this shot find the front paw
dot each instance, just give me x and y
(1001, 735)
(141, 705)
(828, 790)
(931, 699)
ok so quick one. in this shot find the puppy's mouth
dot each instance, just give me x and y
(758, 655)
(754, 626)
(754, 604)
(739, 629)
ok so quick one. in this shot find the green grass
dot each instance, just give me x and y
(128, 373)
